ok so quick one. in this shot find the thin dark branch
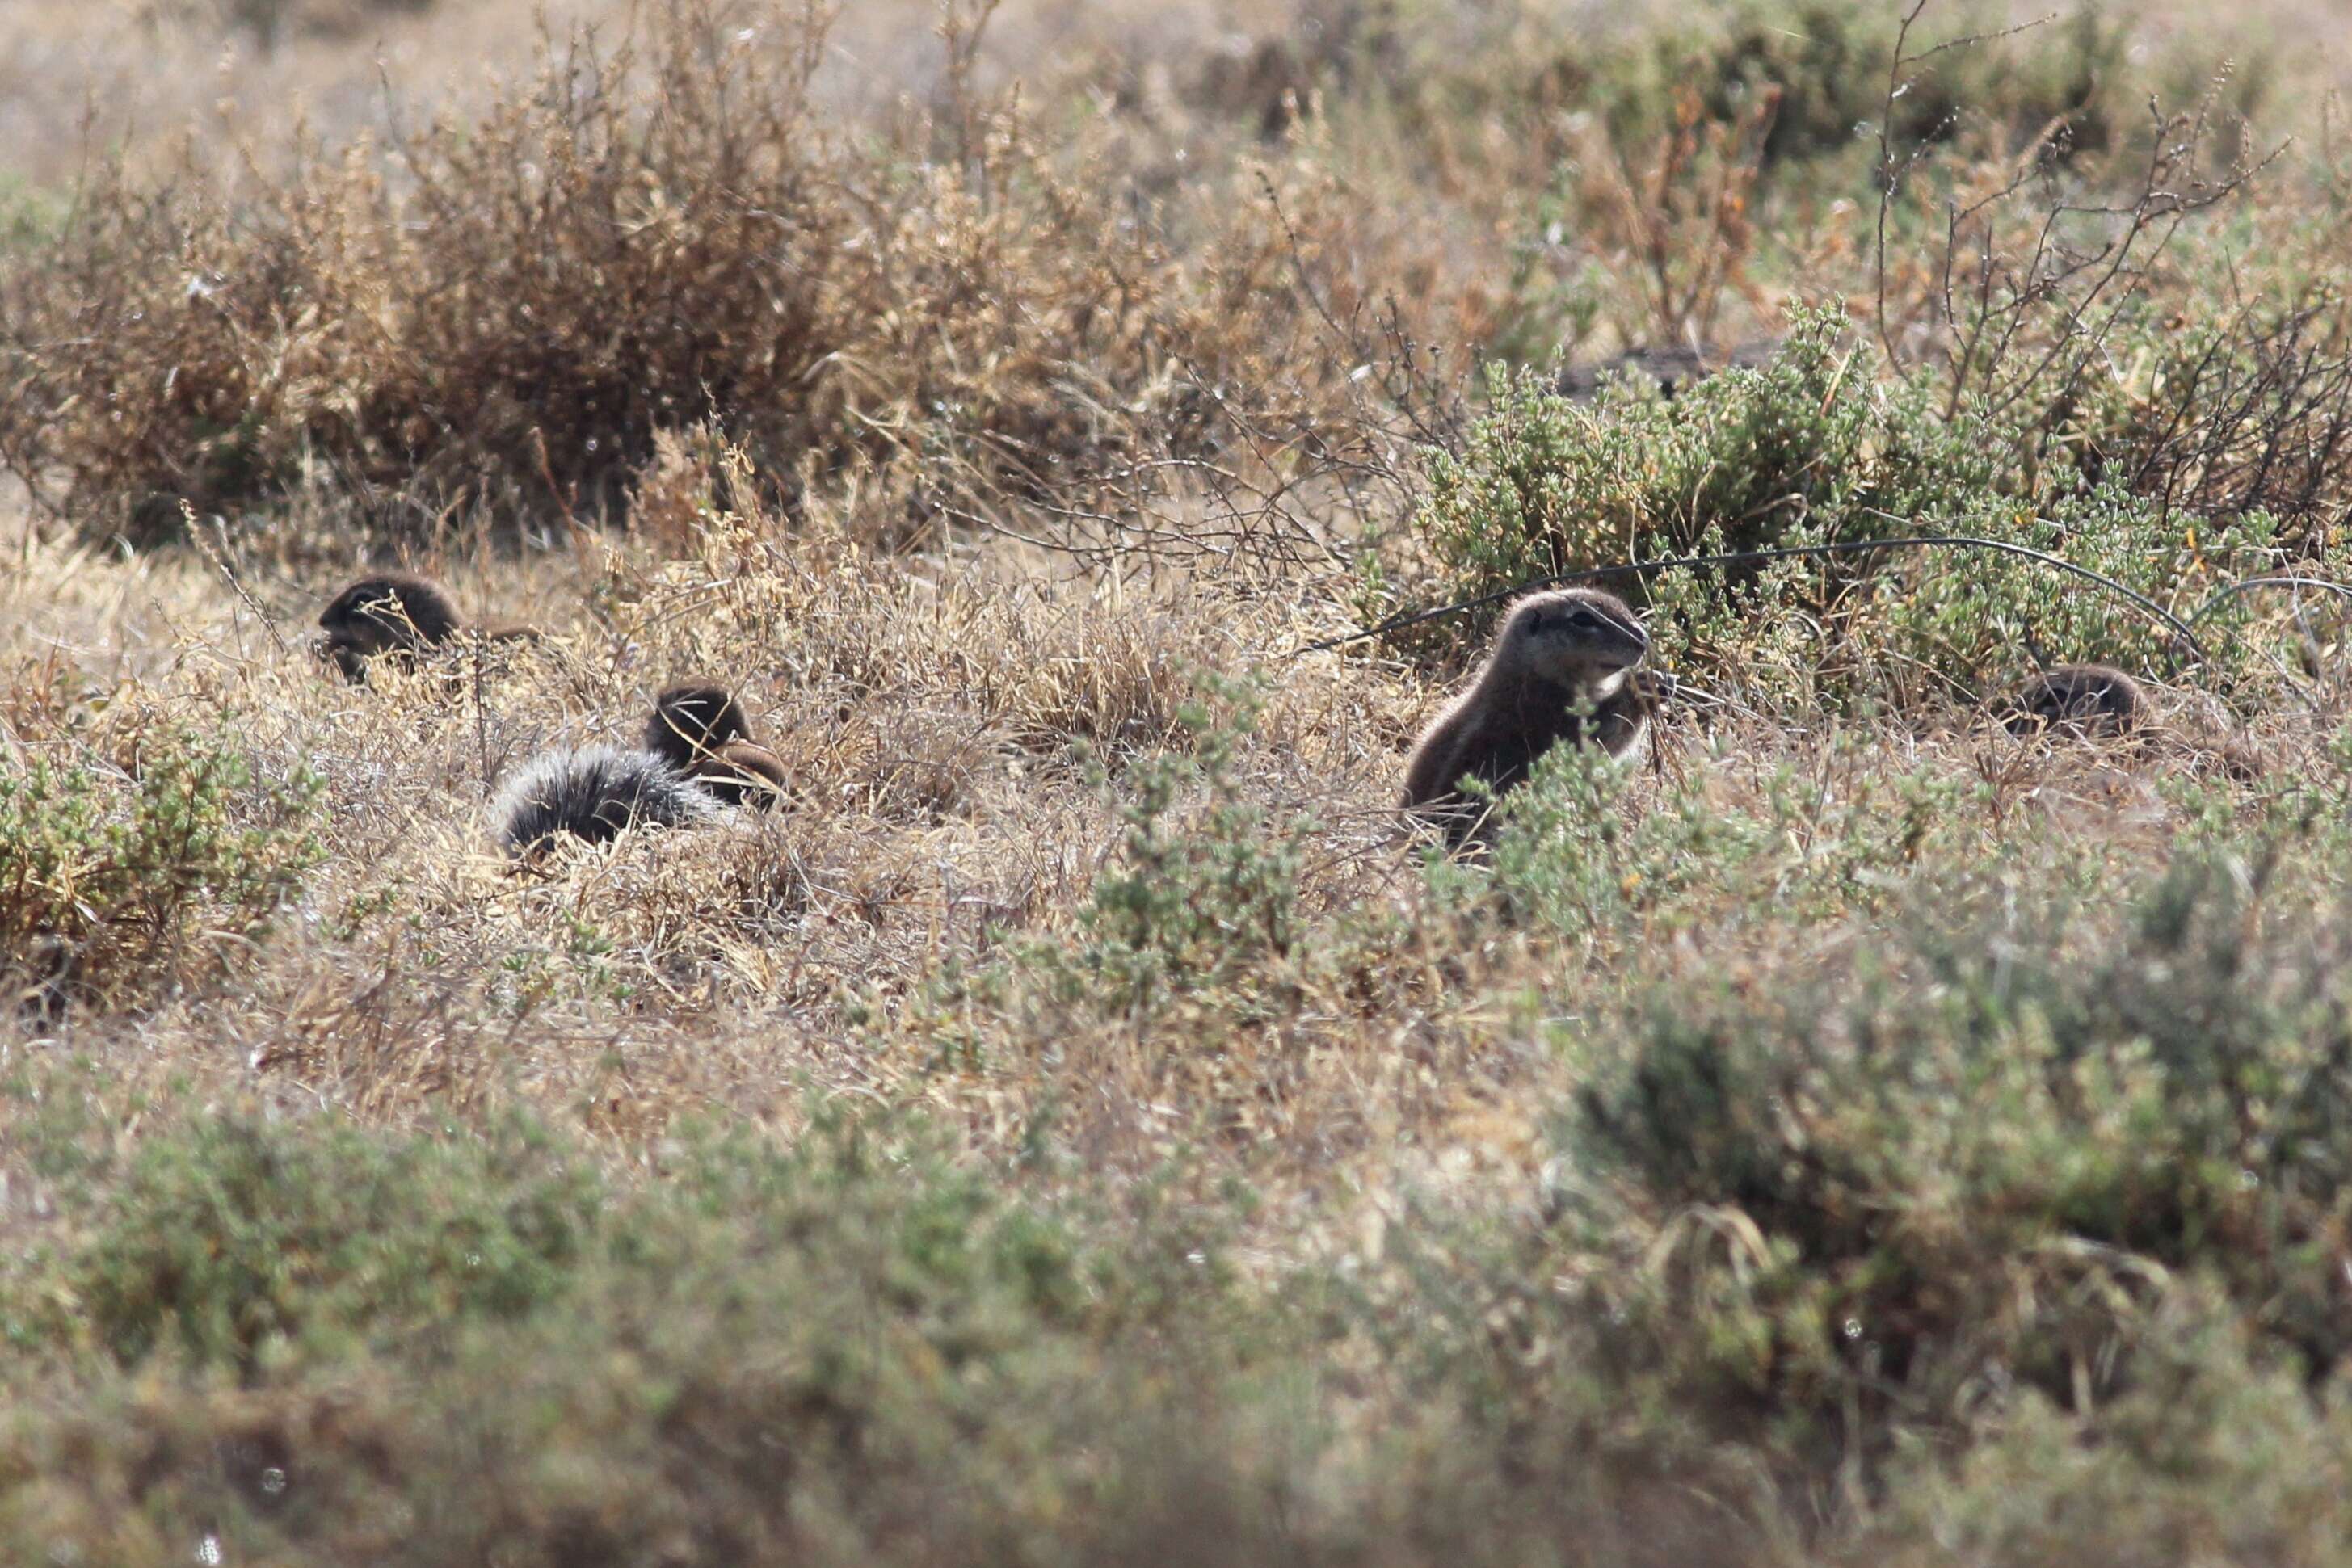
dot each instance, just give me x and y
(1785, 552)
(2222, 595)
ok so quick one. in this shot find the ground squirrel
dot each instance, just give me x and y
(702, 731)
(697, 754)
(2081, 699)
(1672, 368)
(2100, 702)
(396, 614)
(1562, 668)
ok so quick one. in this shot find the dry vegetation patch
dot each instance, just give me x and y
(657, 230)
(1085, 1121)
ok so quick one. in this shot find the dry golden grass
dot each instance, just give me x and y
(776, 969)
(926, 706)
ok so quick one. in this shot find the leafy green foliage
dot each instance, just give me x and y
(849, 1338)
(1806, 448)
(109, 884)
(229, 1238)
(1575, 857)
(1819, 446)
(1990, 1158)
(1831, 68)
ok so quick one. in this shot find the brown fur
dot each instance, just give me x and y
(691, 719)
(2080, 699)
(396, 615)
(2100, 702)
(703, 730)
(741, 773)
(1562, 669)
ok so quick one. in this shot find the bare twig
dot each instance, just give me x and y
(1891, 169)
(219, 558)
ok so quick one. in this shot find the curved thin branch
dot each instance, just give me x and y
(1723, 557)
(2232, 590)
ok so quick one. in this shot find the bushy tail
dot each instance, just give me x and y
(592, 793)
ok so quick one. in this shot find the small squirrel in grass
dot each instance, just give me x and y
(396, 615)
(703, 732)
(2080, 699)
(592, 793)
(1561, 669)
(698, 756)
(2099, 702)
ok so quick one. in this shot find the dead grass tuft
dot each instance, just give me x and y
(656, 231)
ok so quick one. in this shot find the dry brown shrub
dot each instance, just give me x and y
(657, 230)
(271, 21)
(1679, 229)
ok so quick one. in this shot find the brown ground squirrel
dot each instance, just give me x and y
(703, 732)
(696, 757)
(1561, 669)
(2099, 702)
(2080, 699)
(398, 615)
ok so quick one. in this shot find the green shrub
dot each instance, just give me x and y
(2230, 409)
(2209, 1446)
(1986, 1153)
(1830, 63)
(1194, 902)
(1574, 857)
(1818, 446)
(845, 1349)
(1801, 450)
(230, 1236)
(112, 884)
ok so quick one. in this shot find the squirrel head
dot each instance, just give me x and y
(692, 720)
(1579, 638)
(385, 612)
